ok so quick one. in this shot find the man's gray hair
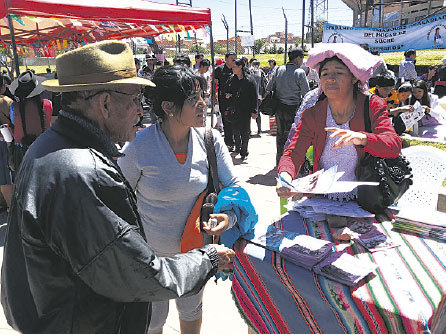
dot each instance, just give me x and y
(76, 102)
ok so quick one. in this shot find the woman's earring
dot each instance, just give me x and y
(171, 114)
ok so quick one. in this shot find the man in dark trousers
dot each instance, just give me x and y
(290, 85)
(75, 258)
(222, 74)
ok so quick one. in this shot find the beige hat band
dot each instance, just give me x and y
(101, 77)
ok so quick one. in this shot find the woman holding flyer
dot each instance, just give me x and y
(335, 124)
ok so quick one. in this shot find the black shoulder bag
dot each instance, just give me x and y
(394, 176)
(269, 102)
(213, 187)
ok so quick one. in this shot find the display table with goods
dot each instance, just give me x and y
(302, 274)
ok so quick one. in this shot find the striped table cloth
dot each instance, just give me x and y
(405, 294)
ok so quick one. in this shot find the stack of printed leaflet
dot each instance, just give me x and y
(344, 268)
(422, 221)
(309, 252)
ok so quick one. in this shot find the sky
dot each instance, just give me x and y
(267, 15)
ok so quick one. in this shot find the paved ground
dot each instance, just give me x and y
(257, 173)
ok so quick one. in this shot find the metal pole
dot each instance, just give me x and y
(286, 36)
(401, 12)
(303, 22)
(381, 14)
(312, 22)
(225, 23)
(429, 8)
(196, 43)
(213, 80)
(14, 47)
(235, 35)
(252, 31)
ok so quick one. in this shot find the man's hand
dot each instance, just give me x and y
(347, 137)
(225, 257)
(254, 115)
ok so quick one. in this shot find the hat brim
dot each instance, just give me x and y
(54, 86)
(36, 91)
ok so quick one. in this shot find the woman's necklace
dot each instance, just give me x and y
(345, 117)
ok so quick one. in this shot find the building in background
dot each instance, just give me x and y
(387, 14)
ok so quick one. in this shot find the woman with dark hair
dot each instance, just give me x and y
(401, 105)
(242, 101)
(430, 77)
(167, 166)
(427, 100)
(340, 139)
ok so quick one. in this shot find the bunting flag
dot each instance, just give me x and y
(65, 43)
(59, 46)
(75, 23)
(57, 21)
(53, 45)
(182, 28)
(31, 52)
(18, 19)
(106, 24)
(188, 35)
(154, 28)
(149, 41)
(35, 19)
(172, 28)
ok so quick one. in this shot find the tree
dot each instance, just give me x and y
(318, 30)
(220, 48)
(280, 50)
(193, 50)
(258, 44)
(273, 49)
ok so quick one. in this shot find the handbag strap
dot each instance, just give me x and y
(212, 161)
(367, 123)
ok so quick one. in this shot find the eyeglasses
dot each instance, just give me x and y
(137, 98)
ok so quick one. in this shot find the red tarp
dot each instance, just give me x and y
(91, 20)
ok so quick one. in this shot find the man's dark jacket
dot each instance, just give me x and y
(75, 258)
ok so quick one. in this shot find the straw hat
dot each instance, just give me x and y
(27, 85)
(96, 66)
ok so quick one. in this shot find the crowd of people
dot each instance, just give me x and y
(101, 236)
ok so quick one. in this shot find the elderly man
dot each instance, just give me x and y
(75, 259)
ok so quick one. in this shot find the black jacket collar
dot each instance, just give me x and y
(86, 134)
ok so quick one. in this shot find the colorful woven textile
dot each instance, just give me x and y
(406, 293)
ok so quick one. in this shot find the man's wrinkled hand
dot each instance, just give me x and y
(225, 257)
